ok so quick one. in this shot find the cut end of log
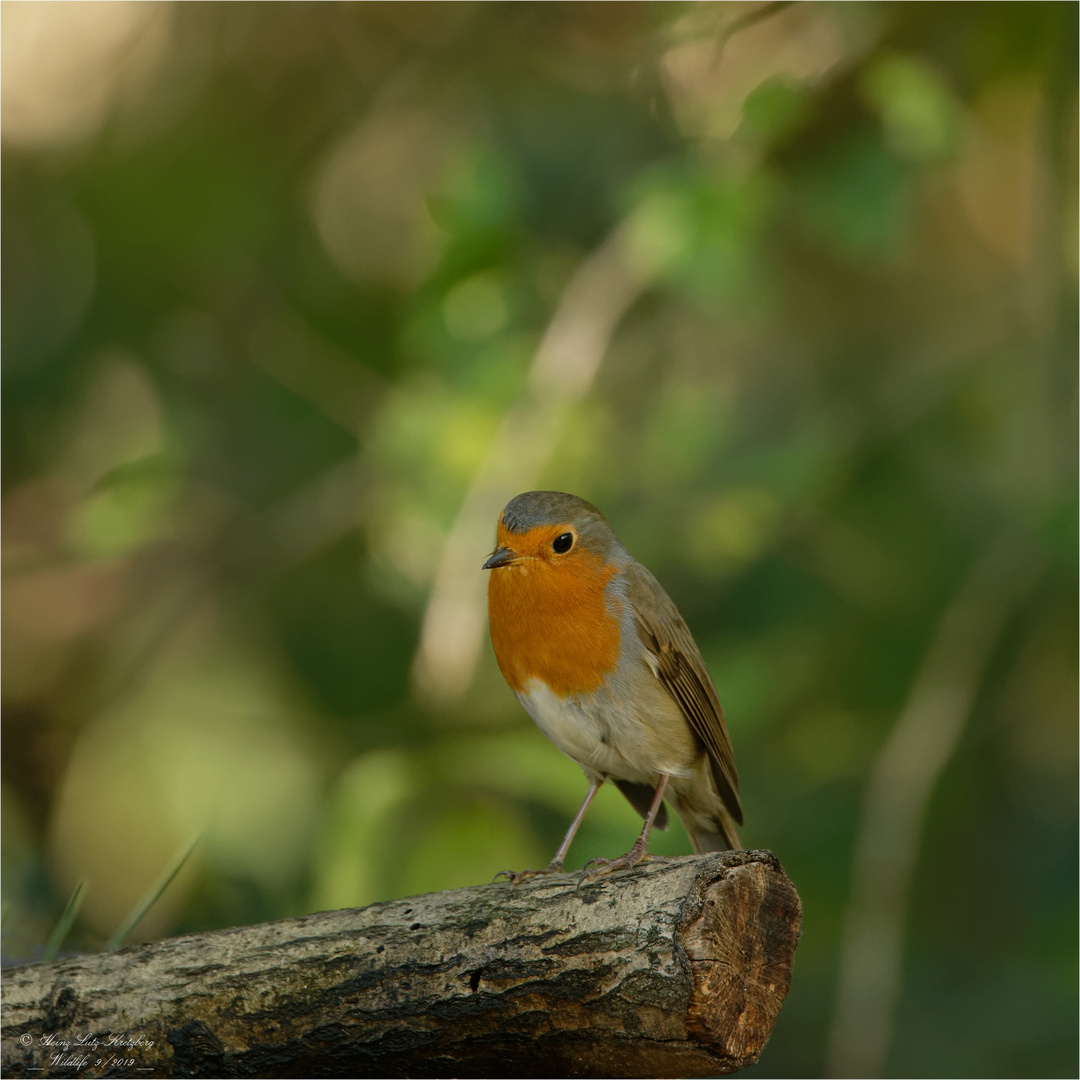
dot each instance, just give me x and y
(740, 943)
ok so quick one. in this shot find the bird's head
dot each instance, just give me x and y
(551, 528)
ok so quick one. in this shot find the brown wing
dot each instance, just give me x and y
(682, 671)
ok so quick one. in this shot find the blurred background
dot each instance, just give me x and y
(297, 295)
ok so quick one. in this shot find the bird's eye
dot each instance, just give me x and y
(562, 543)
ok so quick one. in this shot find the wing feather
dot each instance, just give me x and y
(679, 667)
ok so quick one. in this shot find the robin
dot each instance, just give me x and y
(601, 659)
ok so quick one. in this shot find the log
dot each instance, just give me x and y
(676, 968)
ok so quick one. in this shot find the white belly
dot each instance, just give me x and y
(565, 724)
(601, 741)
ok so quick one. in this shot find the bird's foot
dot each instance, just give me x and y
(517, 877)
(598, 868)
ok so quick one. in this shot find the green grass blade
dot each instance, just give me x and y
(150, 897)
(66, 921)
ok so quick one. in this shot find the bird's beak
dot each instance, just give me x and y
(501, 556)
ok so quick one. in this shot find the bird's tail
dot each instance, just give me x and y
(708, 821)
(717, 834)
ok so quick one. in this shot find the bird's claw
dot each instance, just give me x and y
(599, 867)
(516, 877)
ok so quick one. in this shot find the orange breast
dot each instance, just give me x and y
(550, 621)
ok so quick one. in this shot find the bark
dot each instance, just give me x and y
(677, 968)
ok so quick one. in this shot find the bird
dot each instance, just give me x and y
(598, 655)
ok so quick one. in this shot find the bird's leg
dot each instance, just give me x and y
(596, 868)
(556, 864)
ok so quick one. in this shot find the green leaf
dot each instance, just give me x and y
(150, 898)
(66, 922)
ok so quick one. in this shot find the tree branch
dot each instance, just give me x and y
(677, 968)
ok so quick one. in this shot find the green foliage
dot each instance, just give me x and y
(146, 902)
(65, 923)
